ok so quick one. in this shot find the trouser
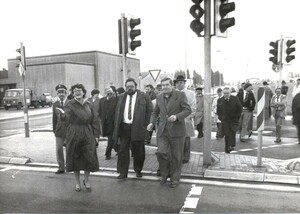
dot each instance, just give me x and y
(148, 136)
(110, 145)
(219, 131)
(137, 148)
(229, 135)
(187, 149)
(200, 129)
(244, 122)
(60, 153)
(278, 122)
(170, 155)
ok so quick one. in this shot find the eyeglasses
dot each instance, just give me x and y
(77, 90)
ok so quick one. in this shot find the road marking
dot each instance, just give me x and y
(5, 169)
(192, 199)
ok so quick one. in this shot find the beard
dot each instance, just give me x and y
(130, 92)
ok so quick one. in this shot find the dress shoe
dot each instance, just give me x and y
(139, 175)
(88, 188)
(77, 188)
(159, 174)
(122, 176)
(200, 135)
(185, 161)
(163, 180)
(107, 157)
(250, 134)
(60, 172)
(174, 184)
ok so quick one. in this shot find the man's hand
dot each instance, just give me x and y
(172, 118)
(150, 127)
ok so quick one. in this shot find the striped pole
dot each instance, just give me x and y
(260, 119)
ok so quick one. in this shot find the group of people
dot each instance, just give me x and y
(127, 117)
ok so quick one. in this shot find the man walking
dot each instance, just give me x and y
(59, 127)
(247, 99)
(132, 116)
(278, 103)
(107, 107)
(219, 133)
(199, 113)
(229, 111)
(172, 107)
(179, 82)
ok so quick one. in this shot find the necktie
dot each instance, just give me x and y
(277, 99)
(61, 103)
(129, 108)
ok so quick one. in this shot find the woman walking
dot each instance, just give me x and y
(82, 137)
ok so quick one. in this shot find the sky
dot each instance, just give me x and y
(63, 26)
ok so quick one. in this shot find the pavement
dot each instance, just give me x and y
(39, 150)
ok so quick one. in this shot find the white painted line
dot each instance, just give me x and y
(273, 146)
(195, 191)
(5, 169)
(191, 203)
(244, 150)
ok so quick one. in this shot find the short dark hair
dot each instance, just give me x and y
(150, 86)
(131, 80)
(247, 85)
(95, 91)
(79, 86)
(120, 90)
(167, 79)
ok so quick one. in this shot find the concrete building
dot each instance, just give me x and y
(94, 69)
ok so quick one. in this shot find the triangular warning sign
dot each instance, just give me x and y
(154, 74)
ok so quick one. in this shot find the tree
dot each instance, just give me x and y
(197, 79)
(188, 74)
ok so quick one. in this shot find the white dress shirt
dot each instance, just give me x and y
(125, 119)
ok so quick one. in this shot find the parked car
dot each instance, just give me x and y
(46, 99)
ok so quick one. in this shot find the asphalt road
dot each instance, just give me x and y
(36, 189)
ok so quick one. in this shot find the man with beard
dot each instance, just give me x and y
(132, 115)
(172, 107)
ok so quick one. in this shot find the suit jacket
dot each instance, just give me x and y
(279, 105)
(59, 126)
(107, 115)
(249, 102)
(141, 116)
(230, 111)
(177, 105)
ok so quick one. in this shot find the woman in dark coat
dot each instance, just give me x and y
(82, 136)
(296, 113)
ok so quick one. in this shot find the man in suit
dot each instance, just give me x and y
(179, 82)
(278, 103)
(59, 127)
(229, 111)
(247, 99)
(172, 107)
(107, 107)
(132, 116)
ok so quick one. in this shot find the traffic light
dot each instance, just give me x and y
(274, 51)
(197, 12)
(21, 59)
(222, 22)
(288, 50)
(132, 33)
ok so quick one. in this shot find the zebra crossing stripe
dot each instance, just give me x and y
(191, 200)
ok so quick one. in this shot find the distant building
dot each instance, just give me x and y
(94, 69)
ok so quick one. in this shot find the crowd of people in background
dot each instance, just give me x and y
(127, 117)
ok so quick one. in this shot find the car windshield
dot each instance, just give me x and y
(11, 93)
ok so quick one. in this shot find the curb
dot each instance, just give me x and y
(207, 174)
(252, 176)
(19, 117)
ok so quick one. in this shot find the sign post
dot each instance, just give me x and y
(260, 121)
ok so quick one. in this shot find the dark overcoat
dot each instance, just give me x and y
(141, 117)
(249, 103)
(296, 110)
(230, 111)
(107, 115)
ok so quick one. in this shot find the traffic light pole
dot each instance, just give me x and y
(26, 121)
(207, 85)
(124, 67)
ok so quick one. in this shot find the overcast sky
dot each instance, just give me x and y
(63, 26)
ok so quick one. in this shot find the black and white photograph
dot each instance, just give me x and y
(162, 106)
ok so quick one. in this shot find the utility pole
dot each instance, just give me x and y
(124, 67)
(207, 85)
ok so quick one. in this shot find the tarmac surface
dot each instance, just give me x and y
(39, 150)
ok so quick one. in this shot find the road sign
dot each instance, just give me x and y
(154, 73)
